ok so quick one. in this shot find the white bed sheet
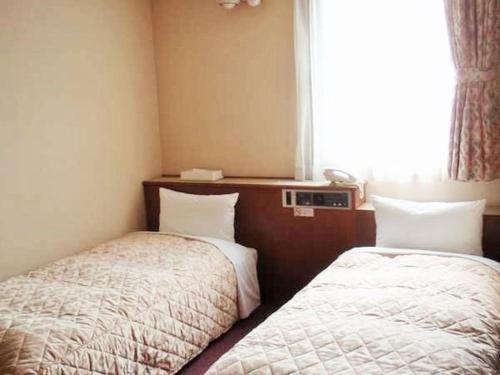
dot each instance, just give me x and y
(244, 260)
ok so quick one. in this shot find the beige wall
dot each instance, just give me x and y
(226, 86)
(226, 93)
(78, 125)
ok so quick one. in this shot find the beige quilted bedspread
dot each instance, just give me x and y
(142, 304)
(374, 314)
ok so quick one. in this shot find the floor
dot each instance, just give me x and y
(201, 364)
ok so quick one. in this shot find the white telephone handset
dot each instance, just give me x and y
(337, 176)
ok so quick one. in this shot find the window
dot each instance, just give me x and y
(382, 88)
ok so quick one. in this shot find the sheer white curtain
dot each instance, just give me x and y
(381, 88)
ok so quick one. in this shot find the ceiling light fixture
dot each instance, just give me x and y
(230, 4)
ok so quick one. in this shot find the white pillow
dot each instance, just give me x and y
(198, 215)
(454, 227)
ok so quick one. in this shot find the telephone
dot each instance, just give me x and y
(336, 176)
(341, 178)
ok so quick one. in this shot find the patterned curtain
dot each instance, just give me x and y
(474, 29)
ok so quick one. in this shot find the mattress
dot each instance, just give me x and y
(142, 304)
(378, 311)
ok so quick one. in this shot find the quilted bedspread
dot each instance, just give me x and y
(142, 304)
(370, 313)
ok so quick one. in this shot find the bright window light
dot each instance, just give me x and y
(382, 88)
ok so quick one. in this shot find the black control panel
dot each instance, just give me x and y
(319, 199)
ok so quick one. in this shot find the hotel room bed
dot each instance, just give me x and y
(382, 311)
(145, 303)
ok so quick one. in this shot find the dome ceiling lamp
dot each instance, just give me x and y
(230, 4)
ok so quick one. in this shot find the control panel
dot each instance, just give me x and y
(338, 199)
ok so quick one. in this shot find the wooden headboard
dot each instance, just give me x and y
(292, 250)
